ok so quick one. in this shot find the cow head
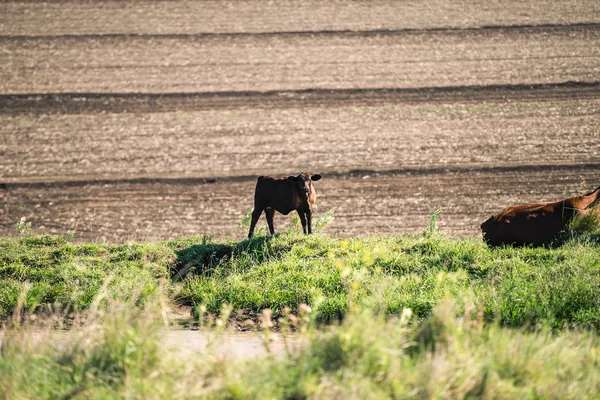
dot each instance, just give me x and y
(303, 182)
(488, 228)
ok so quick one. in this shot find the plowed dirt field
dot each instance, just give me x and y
(150, 120)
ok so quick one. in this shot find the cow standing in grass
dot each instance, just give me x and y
(536, 223)
(285, 195)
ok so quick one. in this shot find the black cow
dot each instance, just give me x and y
(285, 194)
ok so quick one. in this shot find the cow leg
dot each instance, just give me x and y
(255, 216)
(303, 220)
(309, 221)
(270, 212)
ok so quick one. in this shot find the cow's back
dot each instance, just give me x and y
(536, 223)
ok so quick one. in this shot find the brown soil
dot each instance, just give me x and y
(106, 17)
(311, 60)
(124, 133)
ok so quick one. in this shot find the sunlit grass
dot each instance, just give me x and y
(422, 316)
(57, 274)
(117, 353)
(513, 286)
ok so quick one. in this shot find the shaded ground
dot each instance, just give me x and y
(123, 127)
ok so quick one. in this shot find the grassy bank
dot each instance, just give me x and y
(51, 274)
(422, 316)
(513, 286)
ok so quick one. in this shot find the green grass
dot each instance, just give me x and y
(53, 273)
(422, 316)
(369, 357)
(513, 286)
(118, 354)
(112, 355)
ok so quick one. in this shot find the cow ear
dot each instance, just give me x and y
(292, 178)
(315, 177)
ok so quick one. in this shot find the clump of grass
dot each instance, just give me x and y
(433, 228)
(583, 228)
(109, 354)
(62, 275)
(586, 224)
(368, 356)
(23, 227)
(324, 220)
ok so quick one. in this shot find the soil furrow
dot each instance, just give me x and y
(481, 30)
(75, 103)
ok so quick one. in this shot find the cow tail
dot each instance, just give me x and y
(588, 200)
(595, 202)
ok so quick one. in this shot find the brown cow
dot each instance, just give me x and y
(284, 195)
(535, 223)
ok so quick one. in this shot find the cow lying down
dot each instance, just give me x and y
(284, 195)
(535, 223)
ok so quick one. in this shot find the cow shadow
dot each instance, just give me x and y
(562, 238)
(205, 258)
(566, 236)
